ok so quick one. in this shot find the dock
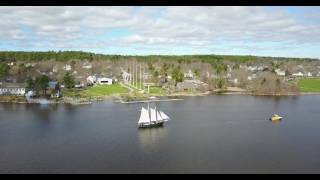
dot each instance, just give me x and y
(146, 101)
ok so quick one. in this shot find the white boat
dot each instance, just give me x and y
(151, 117)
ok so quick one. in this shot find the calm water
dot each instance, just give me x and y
(214, 134)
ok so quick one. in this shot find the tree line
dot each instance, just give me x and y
(7, 56)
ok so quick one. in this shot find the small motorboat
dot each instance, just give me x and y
(275, 117)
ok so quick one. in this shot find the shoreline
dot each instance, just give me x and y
(80, 101)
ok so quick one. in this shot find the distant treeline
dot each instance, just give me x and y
(9, 56)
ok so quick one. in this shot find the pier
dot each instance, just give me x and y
(146, 101)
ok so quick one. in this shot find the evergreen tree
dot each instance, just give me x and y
(69, 81)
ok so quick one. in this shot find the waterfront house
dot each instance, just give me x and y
(188, 75)
(234, 81)
(86, 65)
(309, 74)
(18, 89)
(260, 68)
(252, 68)
(52, 84)
(191, 85)
(55, 69)
(11, 79)
(11, 64)
(30, 94)
(91, 80)
(104, 81)
(67, 67)
(280, 73)
(79, 84)
(30, 65)
(299, 74)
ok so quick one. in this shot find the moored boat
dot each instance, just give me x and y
(275, 117)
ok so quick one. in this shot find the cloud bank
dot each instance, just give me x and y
(283, 31)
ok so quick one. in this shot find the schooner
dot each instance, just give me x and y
(151, 117)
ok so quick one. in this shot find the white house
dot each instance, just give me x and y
(235, 80)
(30, 64)
(299, 74)
(86, 65)
(17, 89)
(254, 68)
(280, 73)
(11, 64)
(188, 75)
(55, 69)
(104, 81)
(309, 74)
(91, 80)
(67, 67)
(260, 68)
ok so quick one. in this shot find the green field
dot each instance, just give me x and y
(309, 85)
(157, 91)
(98, 91)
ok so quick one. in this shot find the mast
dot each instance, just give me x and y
(155, 110)
(149, 113)
(143, 78)
(140, 78)
(131, 75)
(136, 75)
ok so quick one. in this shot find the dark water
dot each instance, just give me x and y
(215, 134)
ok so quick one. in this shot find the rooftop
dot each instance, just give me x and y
(12, 85)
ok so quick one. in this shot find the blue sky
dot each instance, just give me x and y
(264, 31)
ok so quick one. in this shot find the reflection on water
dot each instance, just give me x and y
(276, 122)
(150, 137)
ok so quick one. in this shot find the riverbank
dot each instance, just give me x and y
(73, 100)
(13, 99)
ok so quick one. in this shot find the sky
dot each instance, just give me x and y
(183, 30)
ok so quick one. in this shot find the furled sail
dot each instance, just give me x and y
(144, 117)
(164, 116)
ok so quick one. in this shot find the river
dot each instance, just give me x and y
(211, 134)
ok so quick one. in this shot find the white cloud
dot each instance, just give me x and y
(199, 27)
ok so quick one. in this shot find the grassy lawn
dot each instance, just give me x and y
(309, 85)
(98, 91)
(157, 91)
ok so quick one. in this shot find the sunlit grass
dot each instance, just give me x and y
(309, 85)
(98, 91)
